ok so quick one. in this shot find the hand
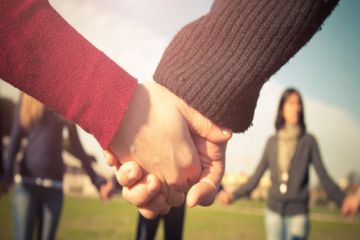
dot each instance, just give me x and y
(107, 190)
(140, 189)
(209, 146)
(350, 205)
(225, 197)
(154, 134)
(158, 138)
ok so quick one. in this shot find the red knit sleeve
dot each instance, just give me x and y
(43, 55)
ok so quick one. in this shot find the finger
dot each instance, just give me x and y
(128, 173)
(156, 207)
(111, 159)
(143, 191)
(203, 193)
(212, 157)
(203, 127)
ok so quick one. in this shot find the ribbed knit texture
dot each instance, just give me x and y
(45, 57)
(219, 62)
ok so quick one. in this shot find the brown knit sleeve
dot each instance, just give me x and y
(219, 62)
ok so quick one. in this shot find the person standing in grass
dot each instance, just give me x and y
(288, 154)
(38, 192)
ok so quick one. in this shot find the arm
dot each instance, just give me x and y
(219, 63)
(250, 185)
(16, 136)
(332, 189)
(83, 157)
(40, 50)
(43, 52)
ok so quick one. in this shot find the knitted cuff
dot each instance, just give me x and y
(219, 62)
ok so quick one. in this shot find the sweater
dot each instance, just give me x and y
(295, 200)
(219, 62)
(42, 156)
(44, 56)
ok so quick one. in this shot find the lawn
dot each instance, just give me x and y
(88, 218)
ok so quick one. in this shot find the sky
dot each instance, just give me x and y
(326, 71)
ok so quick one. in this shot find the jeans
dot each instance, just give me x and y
(294, 227)
(35, 204)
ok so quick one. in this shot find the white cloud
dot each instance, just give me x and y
(131, 32)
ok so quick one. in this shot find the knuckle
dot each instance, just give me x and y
(178, 183)
(128, 196)
(122, 180)
(149, 214)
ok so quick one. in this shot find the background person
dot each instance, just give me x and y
(38, 191)
(288, 155)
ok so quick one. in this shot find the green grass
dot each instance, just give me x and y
(87, 218)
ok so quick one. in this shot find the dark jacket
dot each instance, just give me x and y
(296, 199)
(42, 156)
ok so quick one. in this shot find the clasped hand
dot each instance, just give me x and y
(165, 148)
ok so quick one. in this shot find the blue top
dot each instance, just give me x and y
(42, 156)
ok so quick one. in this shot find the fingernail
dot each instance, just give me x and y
(191, 203)
(209, 183)
(226, 132)
(131, 175)
(150, 186)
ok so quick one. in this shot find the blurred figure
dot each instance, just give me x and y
(7, 108)
(288, 154)
(38, 192)
(1, 151)
(173, 225)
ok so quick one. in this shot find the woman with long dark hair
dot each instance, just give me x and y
(38, 192)
(288, 155)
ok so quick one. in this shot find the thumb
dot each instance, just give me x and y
(202, 193)
(202, 126)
